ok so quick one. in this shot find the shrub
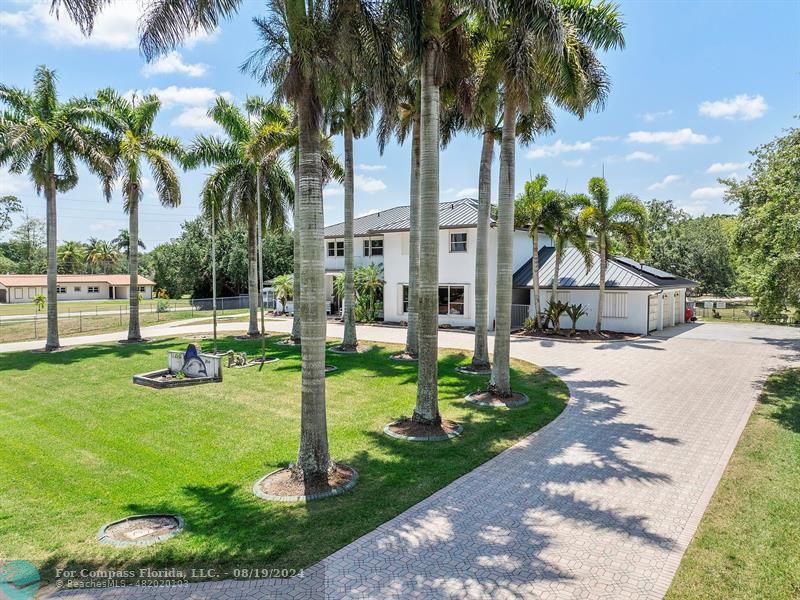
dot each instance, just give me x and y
(529, 325)
(162, 305)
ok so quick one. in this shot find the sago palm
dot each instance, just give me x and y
(138, 149)
(45, 137)
(251, 149)
(624, 221)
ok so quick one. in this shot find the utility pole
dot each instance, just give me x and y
(214, 272)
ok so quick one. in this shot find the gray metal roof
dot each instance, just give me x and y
(452, 215)
(621, 272)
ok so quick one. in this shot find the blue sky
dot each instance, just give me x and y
(698, 85)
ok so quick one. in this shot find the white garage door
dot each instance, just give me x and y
(652, 311)
(666, 311)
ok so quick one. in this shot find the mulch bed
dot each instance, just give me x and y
(582, 336)
(359, 350)
(487, 398)
(470, 370)
(418, 432)
(282, 485)
(289, 342)
(139, 341)
(403, 357)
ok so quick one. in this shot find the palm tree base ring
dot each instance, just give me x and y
(139, 341)
(489, 399)
(359, 349)
(346, 478)
(289, 342)
(404, 357)
(470, 370)
(440, 433)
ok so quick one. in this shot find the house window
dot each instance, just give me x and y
(93, 289)
(335, 248)
(141, 289)
(405, 299)
(18, 293)
(373, 247)
(77, 288)
(615, 305)
(61, 290)
(458, 242)
(451, 300)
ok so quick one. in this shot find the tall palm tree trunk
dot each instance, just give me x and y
(500, 382)
(601, 245)
(412, 333)
(52, 261)
(427, 406)
(252, 275)
(349, 341)
(480, 357)
(295, 336)
(313, 456)
(537, 296)
(134, 330)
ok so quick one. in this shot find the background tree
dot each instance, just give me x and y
(27, 247)
(101, 256)
(624, 220)
(130, 123)
(43, 136)
(123, 242)
(71, 257)
(9, 205)
(767, 234)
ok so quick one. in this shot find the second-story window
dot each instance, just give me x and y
(458, 242)
(373, 247)
(335, 248)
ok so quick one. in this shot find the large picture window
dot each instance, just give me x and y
(451, 300)
(335, 248)
(458, 242)
(373, 247)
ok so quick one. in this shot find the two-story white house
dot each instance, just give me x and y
(638, 299)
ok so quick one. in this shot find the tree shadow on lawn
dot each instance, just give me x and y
(782, 394)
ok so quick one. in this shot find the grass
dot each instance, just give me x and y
(748, 543)
(87, 306)
(22, 330)
(83, 446)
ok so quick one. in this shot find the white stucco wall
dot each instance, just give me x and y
(336, 263)
(28, 293)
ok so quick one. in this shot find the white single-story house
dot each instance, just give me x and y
(15, 289)
(383, 237)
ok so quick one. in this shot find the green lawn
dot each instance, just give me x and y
(748, 543)
(87, 306)
(81, 446)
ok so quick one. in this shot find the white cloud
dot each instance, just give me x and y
(370, 185)
(660, 185)
(726, 167)
(558, 148)
(654, 116)
(466, 193)
(695, 209)
(363, 167)
(708, 193)
(173, 63)
(679, 137)
(605, 138)
(332, 191)
(572, 163)
(116, 27)
(639, 155)
(195, 117)
(188, 96)
(742, 108)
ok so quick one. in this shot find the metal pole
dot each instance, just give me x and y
(260, 261)
(214, 274)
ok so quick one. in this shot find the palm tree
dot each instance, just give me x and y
(535, 209)
(71, 257)
(369, 282)
(43, 136)
(284, 288)
(545, 51)
(123, 242)
(624, 220)
(251, 151)
(566, 228)
(101, 255)
(130, 122)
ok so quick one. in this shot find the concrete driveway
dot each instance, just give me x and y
(600, 504)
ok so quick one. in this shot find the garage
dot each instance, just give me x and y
(652, 313)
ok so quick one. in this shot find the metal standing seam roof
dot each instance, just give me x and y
(452, 215)
(620, 273)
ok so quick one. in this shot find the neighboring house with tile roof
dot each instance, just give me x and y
(638, 299)
(15, 289)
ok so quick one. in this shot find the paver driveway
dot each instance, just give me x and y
(600, 504)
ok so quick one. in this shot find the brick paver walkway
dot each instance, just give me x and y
(599, 504)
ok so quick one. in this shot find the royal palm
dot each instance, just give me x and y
(137, 150)
(45, 137)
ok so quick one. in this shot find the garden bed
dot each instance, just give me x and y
(580, 336)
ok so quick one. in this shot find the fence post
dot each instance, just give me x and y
(120, 316)
(80, 321)
(35, 330)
